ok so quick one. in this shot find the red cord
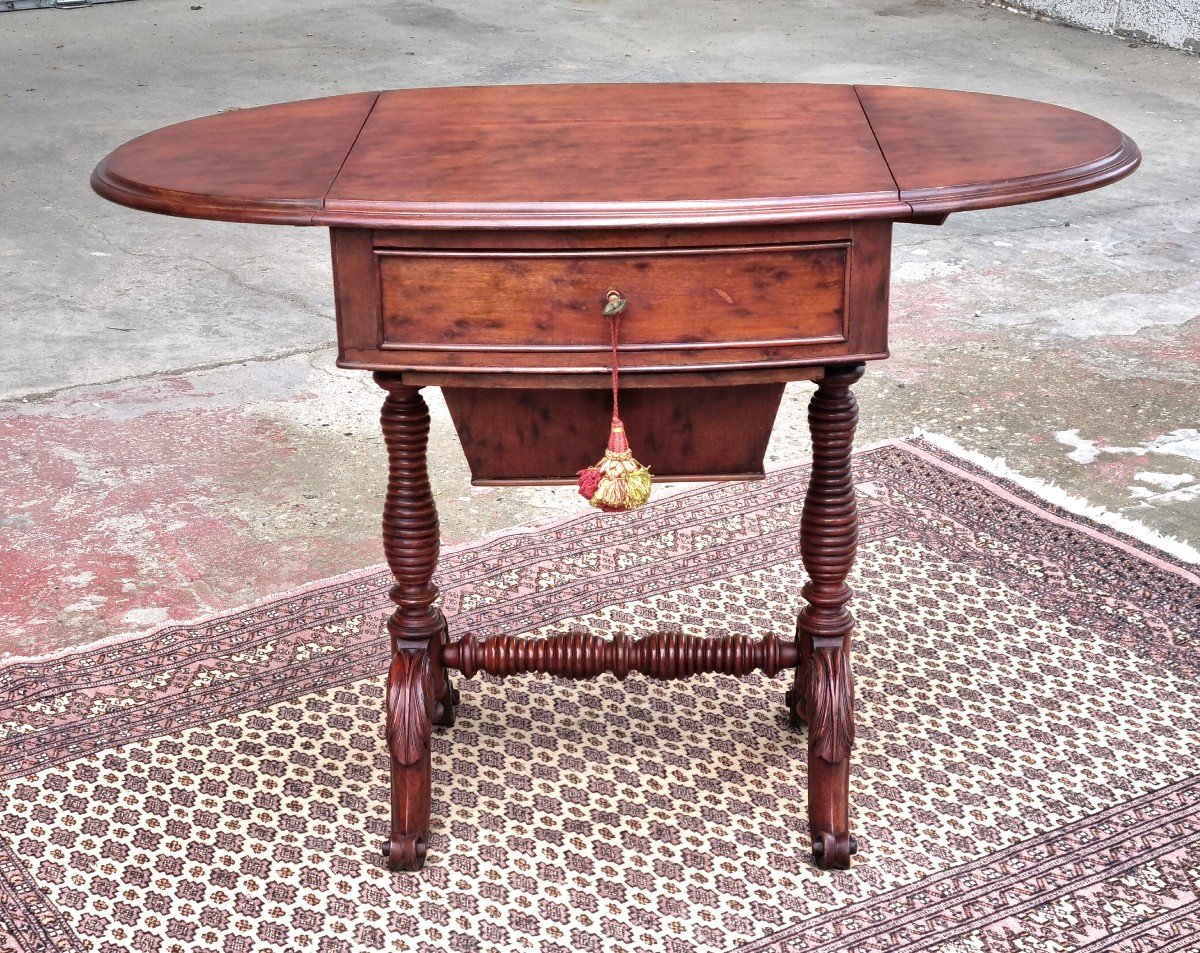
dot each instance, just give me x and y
(616, 319)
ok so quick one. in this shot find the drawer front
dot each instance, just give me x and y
(713, 300)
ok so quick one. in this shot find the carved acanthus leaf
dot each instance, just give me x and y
(409, 706)
(830, 705)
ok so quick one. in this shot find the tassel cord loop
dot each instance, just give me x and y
(615, 325)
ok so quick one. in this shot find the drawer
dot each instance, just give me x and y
(720, 301)
(765, 302)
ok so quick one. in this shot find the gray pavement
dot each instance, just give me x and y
(1063, 336)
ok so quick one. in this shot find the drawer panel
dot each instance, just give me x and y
(710, 299)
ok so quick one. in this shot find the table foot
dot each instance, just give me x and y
(407, 853)
(833, 851)
(410, 709)
(830, 705)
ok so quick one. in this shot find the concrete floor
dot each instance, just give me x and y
(175, 438)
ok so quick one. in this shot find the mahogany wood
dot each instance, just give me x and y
(613, 155)
(418, 689)
(952, 151)
(269, 164)
(589, 238)
(409, 713)
(823, 692)
(780, 300)
(602, 380)
(474, 233)
(548, 436)
(663, 655)
(711, 298)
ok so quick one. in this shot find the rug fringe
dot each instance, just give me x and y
(1054, 494)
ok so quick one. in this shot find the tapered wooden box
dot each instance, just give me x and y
(547, 435)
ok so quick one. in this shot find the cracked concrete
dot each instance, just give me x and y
(177, 440)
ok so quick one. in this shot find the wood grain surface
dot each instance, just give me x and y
(546, 436)
(950, 151)
(791, 296)
(704, 298)
(618, 155)
(613, 154)
(271, 164)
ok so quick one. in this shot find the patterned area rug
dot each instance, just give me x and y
(1026, 777)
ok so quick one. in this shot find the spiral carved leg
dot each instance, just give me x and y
(419, 691)
(822, 692)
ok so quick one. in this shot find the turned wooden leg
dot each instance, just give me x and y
(823, 691)
(418, 689)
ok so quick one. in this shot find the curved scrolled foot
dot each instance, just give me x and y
(833, 851)
(410, 712)
(407, 853)
(831, 703)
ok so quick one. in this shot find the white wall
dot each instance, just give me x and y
(1174, 23)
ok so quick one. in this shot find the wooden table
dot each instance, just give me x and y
(475, 235)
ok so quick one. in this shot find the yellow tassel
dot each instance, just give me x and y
(617, 481)
(624, 483)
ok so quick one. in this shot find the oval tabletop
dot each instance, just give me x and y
(616, 155)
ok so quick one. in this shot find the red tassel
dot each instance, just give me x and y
(589, 482)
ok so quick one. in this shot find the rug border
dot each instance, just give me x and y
(997, 470)
(1125, 539)
(770, 943)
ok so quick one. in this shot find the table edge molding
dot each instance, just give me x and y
(1123, 161)
(760, 211)
(109, 185)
